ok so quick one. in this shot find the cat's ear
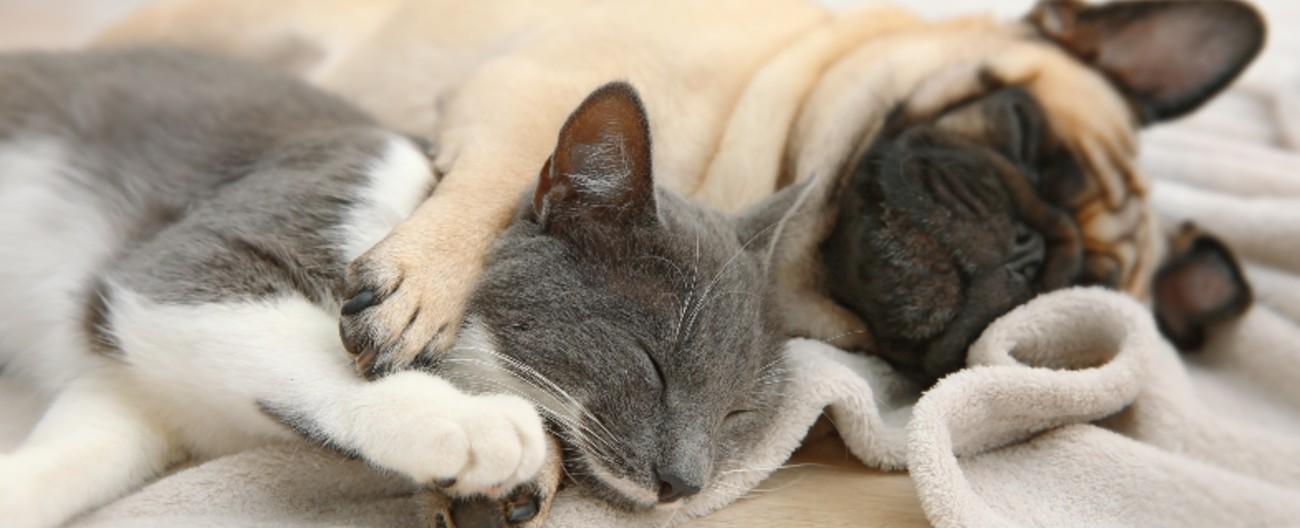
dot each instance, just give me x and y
(761, 224)
(1198, 286)
(600, 172)
(1167, 56)
(787, 226)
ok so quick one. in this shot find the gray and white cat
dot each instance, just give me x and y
(175, 229)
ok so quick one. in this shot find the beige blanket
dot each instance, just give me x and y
(1074, 413)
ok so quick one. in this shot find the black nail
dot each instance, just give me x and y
(360, 301)
(445, 483)
(524, 511)
(366, 360)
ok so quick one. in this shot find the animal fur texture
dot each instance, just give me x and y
(188, 220)
(779, 91)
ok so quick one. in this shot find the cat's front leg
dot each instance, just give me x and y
(96, 442)
(421, 426)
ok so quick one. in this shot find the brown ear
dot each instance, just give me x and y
(600, 171)
(1200, 285)
(1167, 56)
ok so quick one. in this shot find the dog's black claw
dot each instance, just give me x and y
(362, 300)
(445, 483)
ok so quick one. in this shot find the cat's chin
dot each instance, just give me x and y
(670, 506)
(616, 490)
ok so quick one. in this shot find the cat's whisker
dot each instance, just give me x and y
(555, 389)
(770, 469)
(756, 490)
(690, 294)
(732, 488)
(705, 297)
(551, 388)
(773, 364)
(676, 269)
(602, 444)
(785, 485)
(590, 438)
(831, 340)
(598, 443)
(671, 518)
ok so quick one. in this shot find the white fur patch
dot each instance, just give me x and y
(210, 366)
(95, 443)
(399, 181)
(631, 490)
(53, 241)
(206, 366)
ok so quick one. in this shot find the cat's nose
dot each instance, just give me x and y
(673, 487)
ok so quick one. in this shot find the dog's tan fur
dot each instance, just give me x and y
(744, 96)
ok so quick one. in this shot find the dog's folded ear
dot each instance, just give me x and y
(600, 172)
(1199, 285)
(1167, 56)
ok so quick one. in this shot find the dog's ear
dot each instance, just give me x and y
(1199, 285)
(1167, 56)
(600, 171)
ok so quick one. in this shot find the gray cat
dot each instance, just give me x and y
(175, 231)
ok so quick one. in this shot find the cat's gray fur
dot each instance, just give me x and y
(225, 193)
(220, 194)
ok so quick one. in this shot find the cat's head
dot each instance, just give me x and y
(639, 323)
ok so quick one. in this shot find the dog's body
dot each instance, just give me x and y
(749, 98)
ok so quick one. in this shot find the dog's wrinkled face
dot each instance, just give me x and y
(952, 216)
(943, 228)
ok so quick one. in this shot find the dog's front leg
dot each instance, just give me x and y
(406, 295)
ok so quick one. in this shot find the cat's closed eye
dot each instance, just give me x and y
(659, 369)
(737, 414)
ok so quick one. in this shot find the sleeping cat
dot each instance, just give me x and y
(175, 232)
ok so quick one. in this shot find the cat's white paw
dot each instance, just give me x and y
(423, 427)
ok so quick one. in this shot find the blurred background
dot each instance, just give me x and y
(61, 23)
(56, 23)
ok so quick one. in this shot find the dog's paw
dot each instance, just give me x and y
(423, 427)
(400, 308)
(525, 506)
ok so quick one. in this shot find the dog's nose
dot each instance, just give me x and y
(673, 487)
